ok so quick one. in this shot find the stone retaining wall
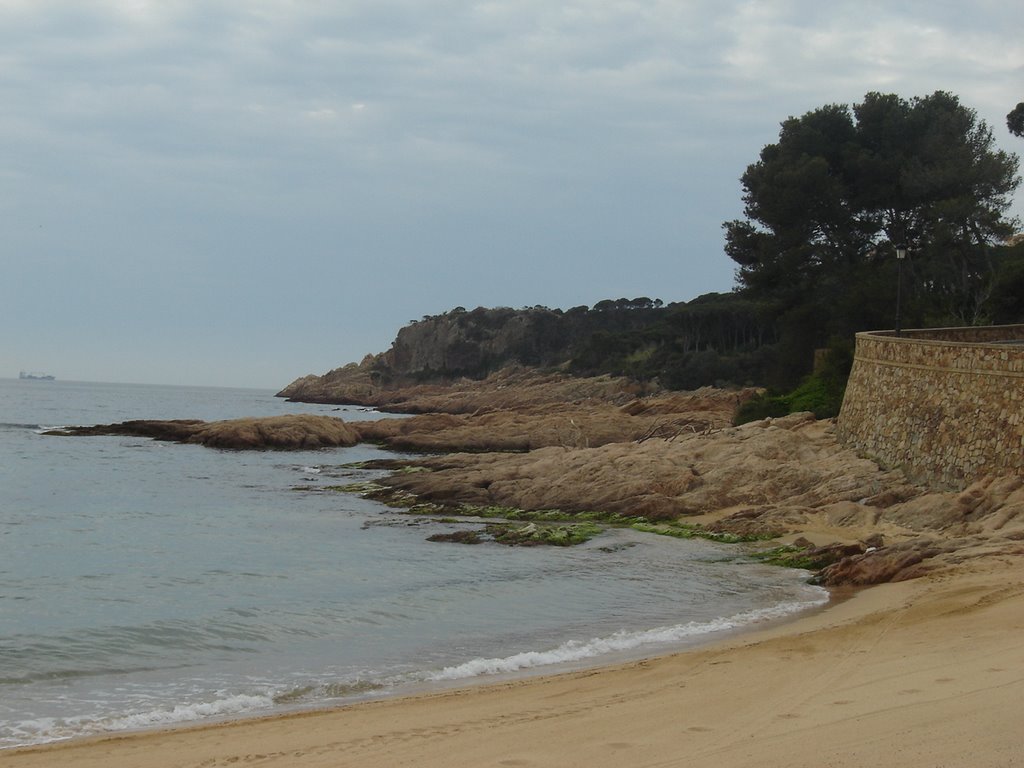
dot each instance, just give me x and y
(946, 404)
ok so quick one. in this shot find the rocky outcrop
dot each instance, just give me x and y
(523, 419)
(517, 418)
(898, 562)
(470, 344)
(358, 384)
(786, 478)
(511, 387)
(300, 432)
(787, 465)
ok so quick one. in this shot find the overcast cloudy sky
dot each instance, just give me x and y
(239, 193)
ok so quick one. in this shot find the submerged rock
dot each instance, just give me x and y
(457, 537)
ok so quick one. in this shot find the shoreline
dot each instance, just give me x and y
(574, 655)
(921, 672)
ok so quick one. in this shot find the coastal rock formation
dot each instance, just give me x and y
(524, 419)
(788, 464)
(299, 432)
(510, 387)
(510, 412)
(787, 479)
(472, 344)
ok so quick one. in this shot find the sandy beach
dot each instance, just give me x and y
(928, 672)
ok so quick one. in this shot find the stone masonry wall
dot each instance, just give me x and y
(946, 405)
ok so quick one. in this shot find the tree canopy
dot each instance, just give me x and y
(826, 204)
(1015, 120)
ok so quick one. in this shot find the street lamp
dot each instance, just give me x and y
(901, 254)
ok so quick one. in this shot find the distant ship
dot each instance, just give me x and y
(35, 376)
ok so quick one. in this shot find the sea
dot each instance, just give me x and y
(147, 584)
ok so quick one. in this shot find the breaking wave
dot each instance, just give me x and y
(622, 641)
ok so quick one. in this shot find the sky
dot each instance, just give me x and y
(221, 193)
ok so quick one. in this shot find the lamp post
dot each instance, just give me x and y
(901, 254)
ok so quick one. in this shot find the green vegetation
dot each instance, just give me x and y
(553, 527)
(803, 554)
(548, 515)
(458, 537)
(533, 534)
(529, 535)
(788, 556)
(680, 530)
(821, 393)
(363, 489)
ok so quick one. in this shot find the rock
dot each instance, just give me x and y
(293, 432)
(832, 553)
(177, 430)
(764, 521)
(486, 417)
(457, 537)
(898, 562)
(759, 469)
(298, 432)
(874, 541)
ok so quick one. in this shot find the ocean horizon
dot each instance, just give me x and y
(146, 584)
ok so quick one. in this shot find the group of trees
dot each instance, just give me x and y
(715, 338)
(824, 207)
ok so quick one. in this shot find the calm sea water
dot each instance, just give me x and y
(144, 583)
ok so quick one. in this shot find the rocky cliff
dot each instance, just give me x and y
(473, 344)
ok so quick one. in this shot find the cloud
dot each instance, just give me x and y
(911, 48)
(502, 151)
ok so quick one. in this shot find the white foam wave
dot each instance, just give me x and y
(48, 729)
(312, 470)
(578, 650)
(184, 713)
